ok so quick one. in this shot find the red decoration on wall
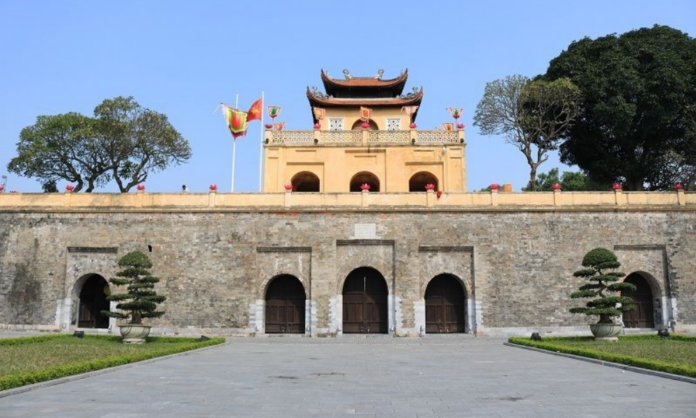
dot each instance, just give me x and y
(288, 186)
(616, 186)
(268, 126)
(429, 186)
(460, 126)
(365, 186)
(2, 188)
(678, 186)
(439, 193)
(556, 186)
(495, 186)
(413, 125)
(141, 187)
(317, 126)
(69, 188)
(365, 125)
(213, 187)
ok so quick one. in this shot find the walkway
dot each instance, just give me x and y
(375, 377)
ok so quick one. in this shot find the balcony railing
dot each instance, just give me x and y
(362, 138)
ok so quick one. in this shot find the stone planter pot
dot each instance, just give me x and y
(605, 332)
(134, 333)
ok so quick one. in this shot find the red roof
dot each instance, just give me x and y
(333, 84)
(319, 101)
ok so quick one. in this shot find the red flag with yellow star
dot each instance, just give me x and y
(255, 111)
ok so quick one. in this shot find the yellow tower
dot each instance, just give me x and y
(347, 150)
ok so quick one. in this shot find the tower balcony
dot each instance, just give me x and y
(363, 138)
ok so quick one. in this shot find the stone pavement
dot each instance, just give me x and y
(367, 377)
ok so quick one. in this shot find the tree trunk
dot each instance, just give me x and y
(532, 177)
(634, 184)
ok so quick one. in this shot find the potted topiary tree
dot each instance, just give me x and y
(140, 301)
(603, 287)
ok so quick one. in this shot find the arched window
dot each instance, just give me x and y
(358, 125)
(364, 177)
(305, 182)
(419, 180)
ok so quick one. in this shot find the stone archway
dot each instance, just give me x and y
(365, 302)
(285, 306)
(364, 177)
(644, 314)
(92, 291)
(418, 181)
(305, 182)
(358, 125)
(445, 305)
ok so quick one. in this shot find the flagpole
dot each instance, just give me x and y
(234, 144)
(261, 147)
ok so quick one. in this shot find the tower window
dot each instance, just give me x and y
(335, 124)
(394, 124)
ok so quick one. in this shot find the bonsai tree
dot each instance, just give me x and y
(140, 301)
(602, 286)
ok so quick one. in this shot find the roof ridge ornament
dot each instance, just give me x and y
(413, 93)
(346, 73)
(317, 93)
(379, 75)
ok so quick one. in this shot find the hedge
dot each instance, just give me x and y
(547, 344)
(34, 339)
(22, 379)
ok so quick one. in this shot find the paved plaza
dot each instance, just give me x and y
(367, 377)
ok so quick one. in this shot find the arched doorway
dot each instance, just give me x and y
(365, 309)
(642, 316)
(92, 301)
(285, 306)
(364, 177)
(445, 305)
(305, 182)
(418, 181)
(358, 125)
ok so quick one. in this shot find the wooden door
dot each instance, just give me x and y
(445, 306)
(285, 306)
(642, 316)
(365, 308)
(92, 302)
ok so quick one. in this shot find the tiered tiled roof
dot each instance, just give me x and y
(364, 91)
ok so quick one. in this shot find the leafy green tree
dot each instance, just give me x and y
(531, 115)
(571, 182)
(137, 141)
(603, 287)
(61, 147)
(637, 89)
(123, 141)
(140, 301)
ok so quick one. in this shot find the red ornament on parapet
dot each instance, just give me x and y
(141, 187)
(556, 186)
(495, 186)
(213, 187)
(69, 188)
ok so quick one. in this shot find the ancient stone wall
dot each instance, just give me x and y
(516, 266)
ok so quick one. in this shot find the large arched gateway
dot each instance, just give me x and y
(642, 316)
(285, 306)
(365, 308)
(445, 305)
(92, 301)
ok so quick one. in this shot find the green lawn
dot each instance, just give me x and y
(34, 359)
(676, 354)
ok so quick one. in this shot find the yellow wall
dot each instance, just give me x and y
(352, 115)
(392, 164)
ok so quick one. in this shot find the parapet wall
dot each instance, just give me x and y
(484, 201)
